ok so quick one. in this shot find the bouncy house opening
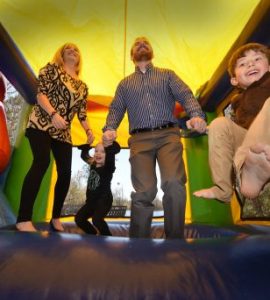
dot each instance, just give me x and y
(225, 252)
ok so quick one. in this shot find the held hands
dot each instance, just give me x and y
(198, 124)
(108, 137)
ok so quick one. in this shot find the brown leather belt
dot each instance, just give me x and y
(168, 125)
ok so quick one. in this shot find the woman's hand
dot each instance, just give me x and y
(90, 136)
(58, 122)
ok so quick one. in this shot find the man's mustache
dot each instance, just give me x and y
(143, 47)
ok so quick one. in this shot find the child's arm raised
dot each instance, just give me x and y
(85, 153)
(111, 151)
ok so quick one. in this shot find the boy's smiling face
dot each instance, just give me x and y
(250, 68)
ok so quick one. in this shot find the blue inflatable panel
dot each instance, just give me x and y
(47, 265)
(15, 68)
(194, 231)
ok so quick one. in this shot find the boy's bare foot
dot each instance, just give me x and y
(26, 226)
(212, 193)
(205, 193)
(255, 171)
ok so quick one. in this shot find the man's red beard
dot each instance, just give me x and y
(143, 55)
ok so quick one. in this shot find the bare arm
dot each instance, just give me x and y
(57, 121)
(88, 131)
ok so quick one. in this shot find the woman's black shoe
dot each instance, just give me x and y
(53, 228)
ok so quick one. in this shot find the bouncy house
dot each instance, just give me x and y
(225, 253)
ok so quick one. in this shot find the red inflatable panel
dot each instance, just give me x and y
(4, 140)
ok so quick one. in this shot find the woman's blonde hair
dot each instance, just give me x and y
(58, 56)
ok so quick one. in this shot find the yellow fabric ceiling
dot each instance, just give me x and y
(188, 36)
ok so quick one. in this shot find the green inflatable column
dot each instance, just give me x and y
(20, 163)
(203, 210)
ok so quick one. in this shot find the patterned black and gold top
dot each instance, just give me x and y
(67, 95)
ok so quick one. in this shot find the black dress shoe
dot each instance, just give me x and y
(53, 228)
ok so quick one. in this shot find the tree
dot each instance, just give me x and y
(77, 192)
(13, 104)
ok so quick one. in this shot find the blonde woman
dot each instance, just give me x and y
(60, 95)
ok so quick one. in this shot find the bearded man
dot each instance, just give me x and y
(148, 96)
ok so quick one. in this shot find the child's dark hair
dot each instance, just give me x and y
(240, 52)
